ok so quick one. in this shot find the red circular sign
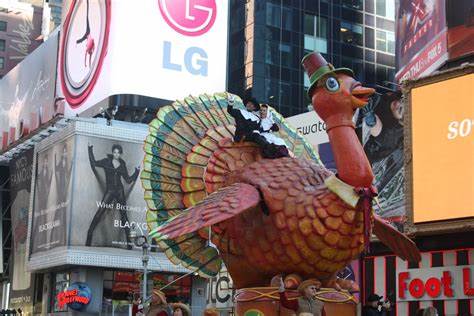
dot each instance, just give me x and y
(81, 58)
(189, 17)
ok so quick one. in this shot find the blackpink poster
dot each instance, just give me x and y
(108, 201)
(51, 201)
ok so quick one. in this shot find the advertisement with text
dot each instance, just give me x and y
(21, 290)
(421, 37)
(52, 197)
(108, 198)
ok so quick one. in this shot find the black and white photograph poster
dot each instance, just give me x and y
(52, 197)
(108, 198)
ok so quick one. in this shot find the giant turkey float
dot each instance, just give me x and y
(213, 201)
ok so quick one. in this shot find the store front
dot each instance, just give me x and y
(438, 280)
(120, 288)
(79, 240)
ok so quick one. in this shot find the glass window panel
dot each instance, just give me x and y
(285, 55)
(391, 42)
(309, 24)
(369, 6)
(3, 26)
(369, 55)
(369, 20)
(321, 26)
(309, 43)
(2, 45)
(322, 45)
(381, 43)
(273, 15)
(369, 37)
(380, 7)
(286, 18)
(353, 4)
(2, 62)
(390, 10)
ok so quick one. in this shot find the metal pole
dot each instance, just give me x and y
(145, 272)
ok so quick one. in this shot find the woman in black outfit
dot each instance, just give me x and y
(115, 169)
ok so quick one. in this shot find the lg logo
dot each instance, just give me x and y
(189, 17)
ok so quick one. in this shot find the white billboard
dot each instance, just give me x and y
(158, 48)
(311, 126)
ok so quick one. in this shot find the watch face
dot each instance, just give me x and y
(83, 47)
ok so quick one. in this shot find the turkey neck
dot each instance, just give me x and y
(352, 164)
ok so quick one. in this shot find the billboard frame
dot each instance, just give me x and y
(434, 227)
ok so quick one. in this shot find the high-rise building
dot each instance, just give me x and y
(268, 39)
(20, 30)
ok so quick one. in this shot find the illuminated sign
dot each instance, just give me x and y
(443, 150)
(443, 283)
(184, 41)
(76, 296)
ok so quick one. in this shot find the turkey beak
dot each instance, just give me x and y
(360, 95)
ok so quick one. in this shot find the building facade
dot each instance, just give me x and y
(20, 27)
(268, 39)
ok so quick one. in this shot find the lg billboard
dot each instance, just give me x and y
(156, 48)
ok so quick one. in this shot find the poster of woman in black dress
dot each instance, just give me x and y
(114, 194)
(380, 127)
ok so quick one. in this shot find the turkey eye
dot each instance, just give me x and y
(332, 84)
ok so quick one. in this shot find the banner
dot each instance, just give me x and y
(108, 197)
(52, 196)
(27, 93)
(380, 129)
(166, 49)
(421, 37)
(460, 15)
(21, 290)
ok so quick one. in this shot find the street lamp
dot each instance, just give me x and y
(142, 241)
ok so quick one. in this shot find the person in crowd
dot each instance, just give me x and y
(159, 306)
(375, 307)
(274, 146)
(420, 312)
(180, 309)
(430, 311)
(307, 303)
(211, 312)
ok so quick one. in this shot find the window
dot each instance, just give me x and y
(2, 62)
(2, 45)
(351, 33)
(352, 4)
(279, 16)
(3, 26)
(369, 38)
(121, 287)
(60, 284)
(385, 41)
(316, 33)
(385, 8)
(278, 53)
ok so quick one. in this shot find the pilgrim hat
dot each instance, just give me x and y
(317, 67)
